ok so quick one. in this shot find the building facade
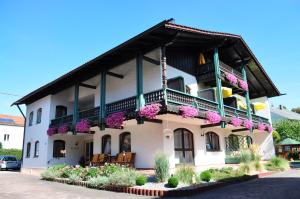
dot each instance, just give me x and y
(171, 65)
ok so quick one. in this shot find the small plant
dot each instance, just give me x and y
(243, 85)
(141, 180)
(257, 165)
(74, 177)
(109, 169)
(51, 131)
(125, 177)
(213, 117)
(83, 126)
(99, 181)
(63, 129)
(161, 167)
(236, 121)
(269, 128)
(185, 174)
(205, 176)
(173, 182)
(50, 174)
(261, 126)
(150, 111)
(248, 124)
(188, 111)
(277, 164)
(92, 172)
(245, 156)
(245, 168)
(115, 120)
(231, 78)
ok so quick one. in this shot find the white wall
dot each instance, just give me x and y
(265, 112)
(15, 136)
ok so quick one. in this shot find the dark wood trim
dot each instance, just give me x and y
(115, 75)
(150, 60)
(158, 121)
(87, 86)
(239, 130)
(209, 125)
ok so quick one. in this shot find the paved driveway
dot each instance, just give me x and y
(278, 186)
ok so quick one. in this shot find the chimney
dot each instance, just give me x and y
(281, 107)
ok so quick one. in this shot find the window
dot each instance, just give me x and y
(176, 84)
(212, 141)
(60, 111)
(233, 142)
(39, 116)
(249, 140)
(28, 150)
(6, 137)
(184, 147)
(59, 148)
(30, 118)
(187, 89)
(106, 144)
(37, 149)
(125, 142)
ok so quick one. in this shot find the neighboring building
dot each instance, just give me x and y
(11, 131)
(282, 113)
(170, 64)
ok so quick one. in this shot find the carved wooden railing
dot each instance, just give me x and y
(90, 114)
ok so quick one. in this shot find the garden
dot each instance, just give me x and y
(115, 177)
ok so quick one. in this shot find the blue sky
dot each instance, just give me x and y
(42, 40)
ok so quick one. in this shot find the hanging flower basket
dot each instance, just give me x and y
(150, 111)
(236, 121)
(115, 120)
(213, 117)
(243, 85)
(261, 126)
(188, 111)
(83, 126)
(231, 78)
(248, 124)
(63, 129)
(51, 131)
(269, 128)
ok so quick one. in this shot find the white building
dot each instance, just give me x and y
(11, 131)
(169, 64)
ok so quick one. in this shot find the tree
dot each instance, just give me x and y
(288, 129)
(276, 137)
(296, 110)
(0, 145)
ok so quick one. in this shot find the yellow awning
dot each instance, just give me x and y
(259, 106)
(241, 104)
(226, 92)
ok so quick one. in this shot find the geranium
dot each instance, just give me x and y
(63, 129)
(188, 111)
(213, 117)
(231, 78)
(248, 124)
(243, 85)
(236, 121)
(51, 131)
(83, 126)
(261, 126)
(149, 111)
(269, 128)
(115, 120)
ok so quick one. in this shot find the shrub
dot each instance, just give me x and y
(74, 177)
(205, 176)
(50, 174)
(92, 172)
(185, 174)
(245, 168)
(223, 173)
(173, 182)
(245, 156)
(141, 180)
(277, 164)
(161, 167)
(99, 181)
(125, 177)
(109, 169)
(257, 165)
(13, 152)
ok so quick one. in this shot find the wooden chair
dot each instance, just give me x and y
(95, 159)
(102, 159)
(125, 158)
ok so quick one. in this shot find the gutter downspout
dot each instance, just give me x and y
(23, 132)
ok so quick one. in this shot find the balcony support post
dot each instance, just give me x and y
(102, 112)
(163, 65)
(249, 114)
(219, 85)
(75, 106)
(140, 100)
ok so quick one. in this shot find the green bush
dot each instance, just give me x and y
(99, 181)
(245, 156)
(257, 165)
(109, 169)
(277, 164)
(185, 174)
(205, 176)
(92, 172)
(223, 173)
(245, 168)
(232, 159)
(74, 177)
(141, 180)
(161, 167)
(13, 152)
(125, 177)
(173, 182)
(50, 174)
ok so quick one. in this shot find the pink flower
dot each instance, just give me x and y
(213, 117)
(188, 111)
(269, 128)
(115, 120)
(51, 131)
(63, 129)
(231, 78)
(248, 124)
(243, 85)
(150, 111)
(236, 121)
(82, 126)
(261, 126)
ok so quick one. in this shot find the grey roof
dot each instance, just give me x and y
(279, 114)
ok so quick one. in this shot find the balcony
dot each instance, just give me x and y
(174, 99)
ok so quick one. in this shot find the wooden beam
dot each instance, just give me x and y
(157, 121)
(239, 130)
(102, 112)
(75, 105)
(115, 75)
(150, 60)
(87, 86)
(209, 125)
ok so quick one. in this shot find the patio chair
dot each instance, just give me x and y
(125, 158)
(95, 159)
(99, 159)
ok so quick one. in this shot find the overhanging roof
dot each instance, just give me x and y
(165, 32)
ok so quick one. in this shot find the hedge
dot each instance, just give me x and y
(14, 152)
